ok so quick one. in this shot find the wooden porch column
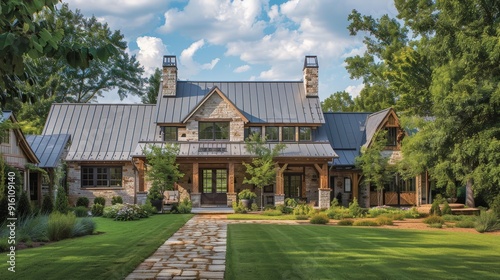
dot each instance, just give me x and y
(280, 184)
(231, 178)
(140, 169)
(323, 175)
(355, 186)
(196, 180)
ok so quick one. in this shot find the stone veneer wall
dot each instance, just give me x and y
(312, 184)
(75, 190)
(214, 107)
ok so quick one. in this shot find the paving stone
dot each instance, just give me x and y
(216, 267)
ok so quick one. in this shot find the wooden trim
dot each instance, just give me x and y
(140, 168)
(213, 119)
(196, 178)
(231, 178)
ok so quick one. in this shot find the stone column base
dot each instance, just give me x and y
(279, 199)
(231, 197)
(196, 199)
(141, 198)
(324, 198)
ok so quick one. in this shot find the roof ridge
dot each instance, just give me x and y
(105, 104)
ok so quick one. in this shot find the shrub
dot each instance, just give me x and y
(435, 210)
(354, 208)
(61, 204)
(446, 208)
(60, 226)
(365, 223)
(33, 228)
(301, 217)
(434, 219)
(23, 206)
(255, 207)
(81, 211)
(116, 200)
(185, 206)
(100, 200)
(97, 210)
(82, 201)
(4, 244)
(338, 213)
(346, 222)
(486, 221)
(495, 205)
(290, 202)
(4, 208)
(128, 212)
(247, 194)
(384, 220)
(412, 213)
(149, 208)
(111, 211)
(272, 213)
(435, 225)
(303, 209)
(465, 224)
(284, 209)
(239, 208)
(319, 218)
(47, 204)
(335, 203)
(84, 226)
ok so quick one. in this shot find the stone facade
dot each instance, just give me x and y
(324, 198)
(311, 81)
(312, 185)
(75, 189)
(169, 73)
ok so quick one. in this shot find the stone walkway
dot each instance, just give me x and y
(195, 251)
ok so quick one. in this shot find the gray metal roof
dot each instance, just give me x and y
(107, 132)
(232, 149)
(5, 115)
(259, 102)
(346, 134)
(48, 148)
(373, 121)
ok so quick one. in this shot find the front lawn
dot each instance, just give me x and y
(259, 217)
(110, 255)
(258, 251)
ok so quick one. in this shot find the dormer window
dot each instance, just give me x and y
(169, 133)
(392, 135)
(288, 133)
(305, 134)
(272, 133)
(213, 131)
(249, 131)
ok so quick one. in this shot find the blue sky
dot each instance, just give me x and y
(239, 40)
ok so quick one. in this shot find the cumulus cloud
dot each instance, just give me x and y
(189, 66)
(354, 90)
(217, 21)
(117, 7)
(242, 68)
(151, 50)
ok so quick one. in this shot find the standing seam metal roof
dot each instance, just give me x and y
(104, 132)
(260, 102)
(48, 148)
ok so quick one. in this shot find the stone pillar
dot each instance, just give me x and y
(196, 199)
(279, 199)
(324, 198)
(142, 197)
(231, 197)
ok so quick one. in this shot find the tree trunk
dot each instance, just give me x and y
(469, 194)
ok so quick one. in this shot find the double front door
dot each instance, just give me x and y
(293, 185)
(214, 186)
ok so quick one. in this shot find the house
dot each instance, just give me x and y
(209, 121)
(348, 133)
(17, 153)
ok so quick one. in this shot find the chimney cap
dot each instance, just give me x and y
(169, 60)
(311, 61)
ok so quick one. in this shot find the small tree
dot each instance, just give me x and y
(47, 204)
(162, 170)
(61, 204)
(262, 170)
(23, 206)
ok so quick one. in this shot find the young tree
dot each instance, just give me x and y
(339, 101)
(262, 170)
(162, 171)
(152, 88)
(61, 204)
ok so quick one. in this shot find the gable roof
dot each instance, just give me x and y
(48, 148)
(346, 134)
(375, 121)
(23, 144)
(108, 132)
(215, 90)
(258, 102)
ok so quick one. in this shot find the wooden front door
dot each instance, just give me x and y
(214, 186)
(293, 185)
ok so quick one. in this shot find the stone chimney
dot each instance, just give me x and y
(311, 75)
(169, 75)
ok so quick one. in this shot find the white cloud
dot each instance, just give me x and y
(242, 68)
(354, 90)
(189, 66)
(151, 50)
(355, 51)
(217, 21)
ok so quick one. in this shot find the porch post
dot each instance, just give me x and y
(279, 195)
(324, 190)
(195, 195)
(355, 186)
(231, 195)
(140, 168)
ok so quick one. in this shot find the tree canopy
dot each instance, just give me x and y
(339, 101)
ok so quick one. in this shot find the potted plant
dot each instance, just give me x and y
(155, 196)
(246, 196)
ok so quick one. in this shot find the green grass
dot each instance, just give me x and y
(328, 252)
(259, 217)
(111, 255)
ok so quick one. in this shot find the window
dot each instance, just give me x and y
(347, 185)
(288, 133)
(272, 133)
(169, 133)
(214, 180)
(5, 138)
(305, 134)
(392, 136)
(97, 176)
(253, 130)
(221, 181)
(213, 131)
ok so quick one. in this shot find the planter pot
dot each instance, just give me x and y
(452, 200)
(245, 202)
(157, 203)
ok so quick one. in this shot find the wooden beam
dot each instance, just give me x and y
(231, 178)
(280, 183)
(323, 175)
(196, 180)
(355, 187)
